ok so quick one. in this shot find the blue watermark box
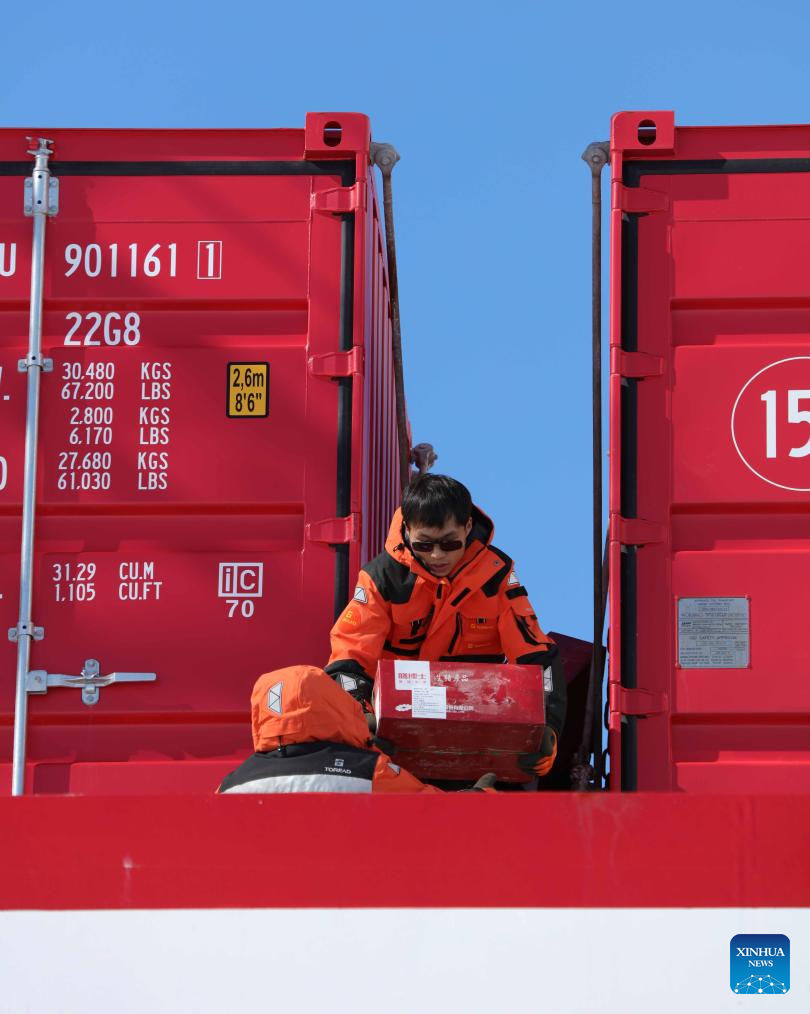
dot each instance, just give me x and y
(760, 963)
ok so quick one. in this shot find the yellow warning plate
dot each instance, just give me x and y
(248, 390)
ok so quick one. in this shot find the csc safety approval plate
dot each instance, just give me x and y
(248, 390)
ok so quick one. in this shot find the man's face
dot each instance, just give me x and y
(439, 561)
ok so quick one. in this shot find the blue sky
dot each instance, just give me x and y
(490, 107)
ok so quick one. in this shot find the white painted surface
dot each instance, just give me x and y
(394, 961)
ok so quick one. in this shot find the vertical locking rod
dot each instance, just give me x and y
(33, 365)
(583, 775)
(385, 156)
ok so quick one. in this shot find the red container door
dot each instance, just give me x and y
(201, 440)
(710, 445)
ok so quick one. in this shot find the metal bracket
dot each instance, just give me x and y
(384, 156)
(340, 200)
(32, 195)
(43, 362)
(335, 531)
(338, 364)
(89, 682)
(597, 155)
(23, 630)
(423, 456)
(635, 364)
(639, 200)
(636, 531)
(624, 701)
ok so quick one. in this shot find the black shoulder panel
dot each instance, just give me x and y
(394, 580)
(492, 586)
(324, 758)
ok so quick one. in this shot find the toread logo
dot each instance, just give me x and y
(360, 595)
(274, 698)
(760, 963)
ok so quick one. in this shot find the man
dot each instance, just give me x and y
(309, 736)
(441, 591)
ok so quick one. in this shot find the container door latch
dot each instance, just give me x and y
(89, 682)
(637, 701)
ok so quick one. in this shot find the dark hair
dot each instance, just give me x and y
(431, 499)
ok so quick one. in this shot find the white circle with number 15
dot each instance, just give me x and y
(767, 421)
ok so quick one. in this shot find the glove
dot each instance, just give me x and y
(486, 783)
(384, 745)
(540, 763)
(358, 687)
(370, 717)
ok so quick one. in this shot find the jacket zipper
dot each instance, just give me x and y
(456, 635)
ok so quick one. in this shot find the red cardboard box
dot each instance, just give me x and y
(459, 720)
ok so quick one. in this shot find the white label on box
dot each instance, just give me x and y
(408, 675)
(429, 702)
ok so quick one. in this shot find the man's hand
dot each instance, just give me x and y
(540, 763)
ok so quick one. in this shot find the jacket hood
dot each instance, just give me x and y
(301, 704)
(480, 536)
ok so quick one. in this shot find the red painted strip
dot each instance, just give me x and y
(419, 851)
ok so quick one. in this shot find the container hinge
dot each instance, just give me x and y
(89, 682)
(636, 531)
(635, 364)
(33, 192)
(341, 200)
(335, 531)
(639, 200)
(23, 630)
(35, 359)
(624, 701)
(338, 364)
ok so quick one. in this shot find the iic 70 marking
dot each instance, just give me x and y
(239, 584)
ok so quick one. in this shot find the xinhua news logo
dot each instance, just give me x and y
(760, 963)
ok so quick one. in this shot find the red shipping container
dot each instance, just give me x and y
(459, 720)
(710, 457)
(217, 440)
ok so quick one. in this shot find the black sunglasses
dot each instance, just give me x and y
(446, 546)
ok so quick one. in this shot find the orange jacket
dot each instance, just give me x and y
(310, 736)
(481, 612)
